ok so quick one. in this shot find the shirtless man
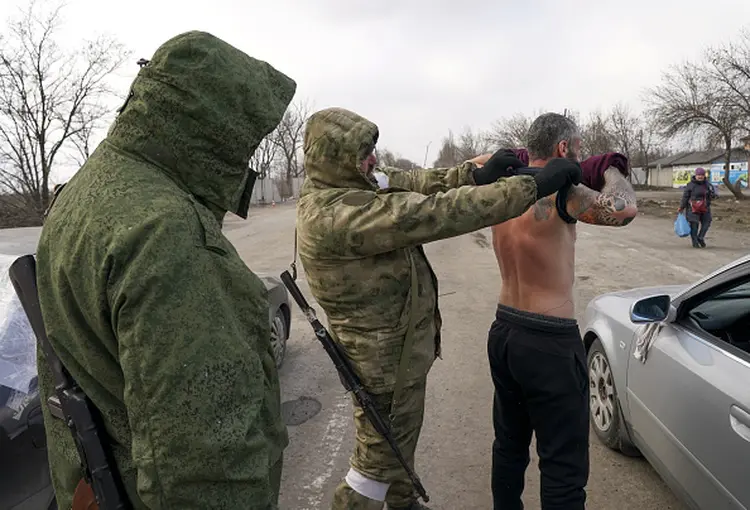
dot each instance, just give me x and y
(536, 353)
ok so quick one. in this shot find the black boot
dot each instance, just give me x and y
(694, 234)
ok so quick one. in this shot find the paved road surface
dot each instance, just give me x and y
(453, 456)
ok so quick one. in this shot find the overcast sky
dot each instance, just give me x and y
(418, 68)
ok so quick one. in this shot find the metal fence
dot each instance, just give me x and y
(267, 191)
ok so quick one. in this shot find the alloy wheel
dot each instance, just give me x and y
(278, 338)
(602, 389)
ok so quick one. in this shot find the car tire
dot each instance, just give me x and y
(279, 336)
(604, 409)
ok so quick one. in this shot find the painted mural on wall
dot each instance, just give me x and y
(737, 171)
(680, 178)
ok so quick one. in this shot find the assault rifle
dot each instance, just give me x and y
(72, 405)
(350, 380)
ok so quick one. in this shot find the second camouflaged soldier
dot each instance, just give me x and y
(360, 233)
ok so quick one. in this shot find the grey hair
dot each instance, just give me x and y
(547, 131)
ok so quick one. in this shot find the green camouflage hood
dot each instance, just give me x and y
(198, 110)
(336, 142)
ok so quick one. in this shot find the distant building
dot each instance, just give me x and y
(676, 171)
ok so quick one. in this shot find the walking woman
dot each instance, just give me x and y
(696, 203)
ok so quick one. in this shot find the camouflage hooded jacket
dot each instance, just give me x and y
(360, 246)
(149, 306)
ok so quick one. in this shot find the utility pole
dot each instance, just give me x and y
(427, 149)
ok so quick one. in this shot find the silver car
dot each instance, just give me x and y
(669, 373)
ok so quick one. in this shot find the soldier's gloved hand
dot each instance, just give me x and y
(556, 174)
(503, 163)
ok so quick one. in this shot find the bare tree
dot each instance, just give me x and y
(263, 159)
(50, 101)
(390, 159)
(471, 144)
(405, 164)
(82, 140)
(289, 136)
(644, 145)
(448, 155)
(385, 157)
(690, 100)
(729, 66)
(453, 152)
(510, 132)
(597, 137)
(624, 128)
(265, 156)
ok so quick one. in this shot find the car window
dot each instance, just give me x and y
(741, 290)
(726, 315)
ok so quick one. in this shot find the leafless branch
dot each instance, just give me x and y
(597, 135)
(393, 160)
(51, 102)
(288, 138)
(691, 99)
(510, 133)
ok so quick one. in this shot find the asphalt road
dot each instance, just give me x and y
(453, 457)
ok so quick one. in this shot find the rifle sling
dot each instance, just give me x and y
(29, 297)
(30, 303)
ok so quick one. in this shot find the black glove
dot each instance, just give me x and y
(557, 174)
(502, 164)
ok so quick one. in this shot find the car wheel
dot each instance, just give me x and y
(278, 337)
(604, 409)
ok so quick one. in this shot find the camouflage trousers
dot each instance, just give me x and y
(373, 458)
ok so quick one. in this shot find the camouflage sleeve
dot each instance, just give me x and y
(366, 223)
(193, 385)
(432, 180)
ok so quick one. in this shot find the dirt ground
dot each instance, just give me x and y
(727, 212)
(453, 457)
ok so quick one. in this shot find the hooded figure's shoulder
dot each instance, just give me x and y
(115, 203)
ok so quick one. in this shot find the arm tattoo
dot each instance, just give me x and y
(543, 208)
(615, 206)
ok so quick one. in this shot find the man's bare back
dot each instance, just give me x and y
(536, 255)
(536, 353)
(536, 251)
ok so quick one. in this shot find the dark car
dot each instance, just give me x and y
(25, 482)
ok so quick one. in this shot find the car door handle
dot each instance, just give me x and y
(740, 421)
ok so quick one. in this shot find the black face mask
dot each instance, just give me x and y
(247, 194)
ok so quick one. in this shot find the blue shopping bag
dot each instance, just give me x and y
(681, 226)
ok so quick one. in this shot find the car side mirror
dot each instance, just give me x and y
(650, 309)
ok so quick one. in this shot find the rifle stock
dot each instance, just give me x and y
(71, 403)
(350, 380)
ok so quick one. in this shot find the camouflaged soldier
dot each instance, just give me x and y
(360, 233)
(149, 306)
